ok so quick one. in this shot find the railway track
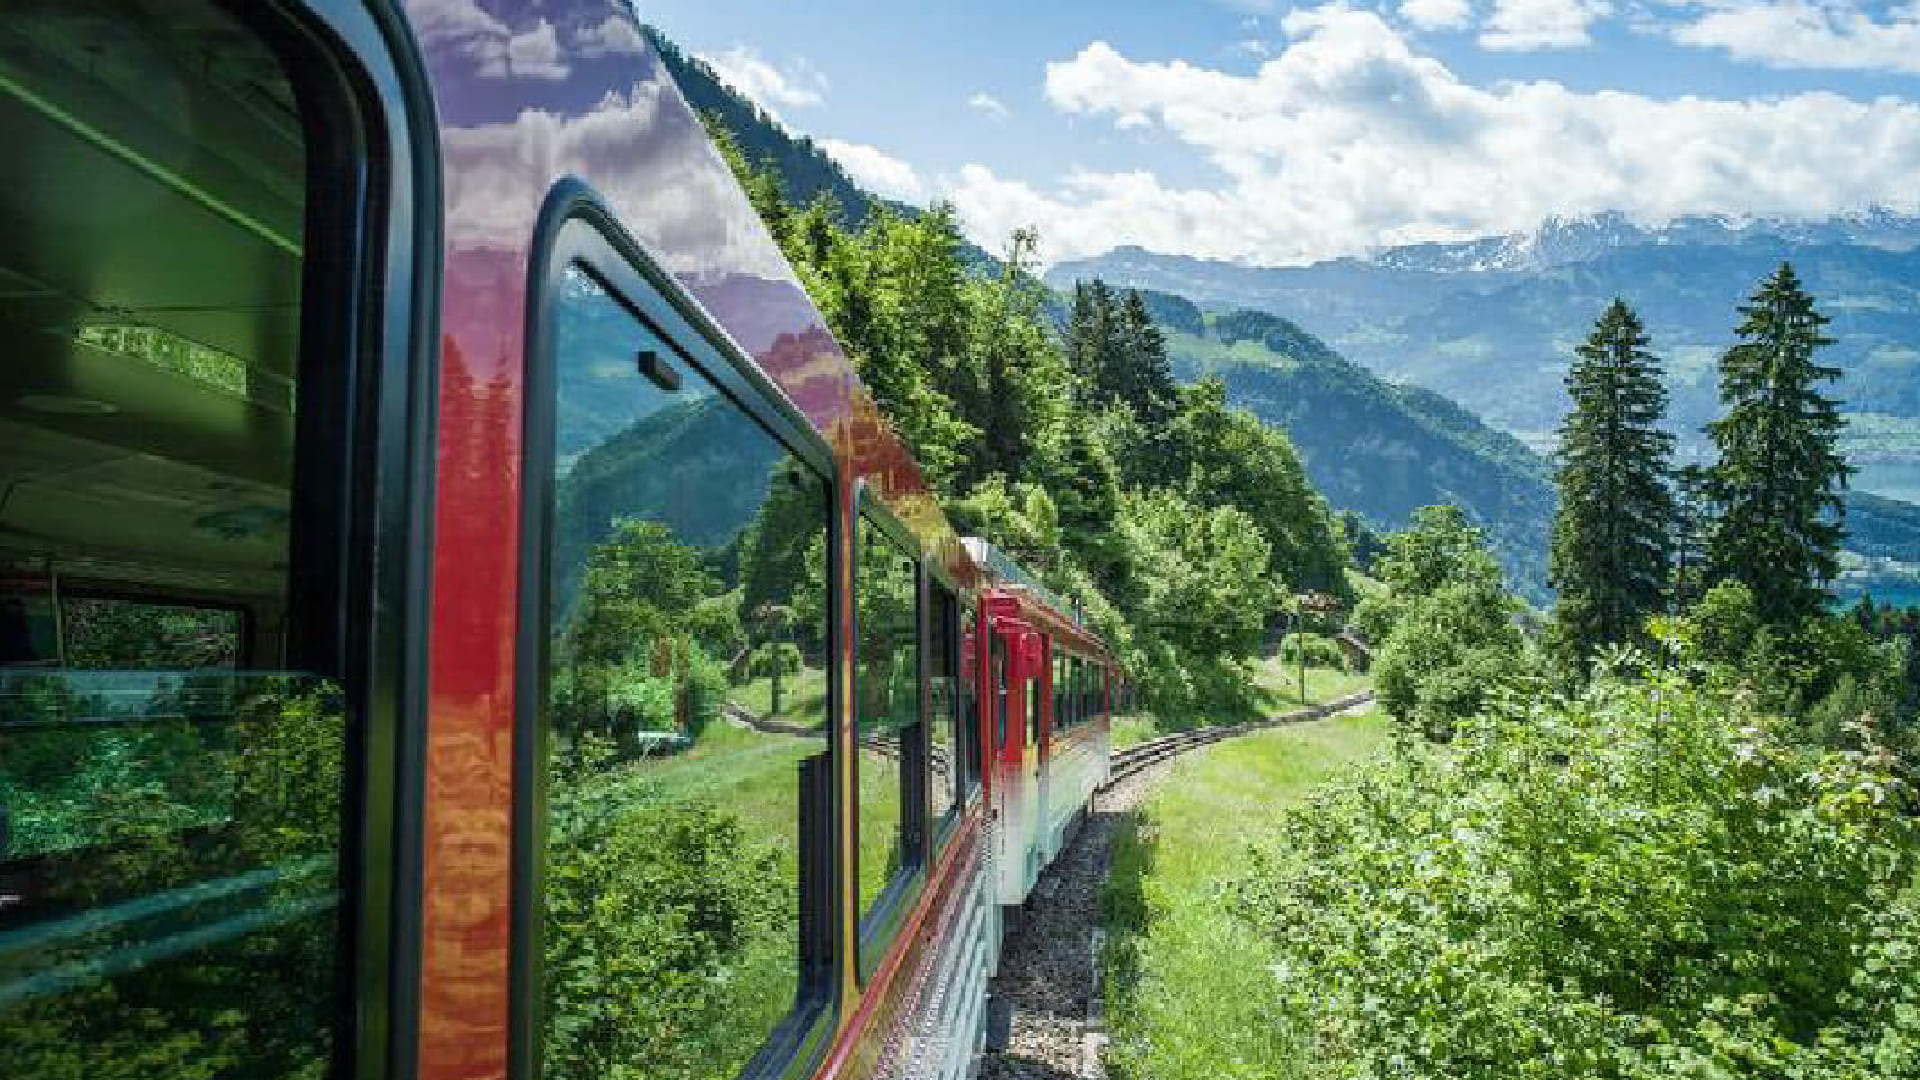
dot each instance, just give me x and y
(1143, 755)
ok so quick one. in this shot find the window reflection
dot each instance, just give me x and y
(944, 749)
(688, 649)
(886, 700)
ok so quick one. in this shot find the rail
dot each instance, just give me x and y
(1139, 756)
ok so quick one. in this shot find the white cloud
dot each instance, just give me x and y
(1349, 139)
(1437, 14)
(798, 85)
(533, 54)
(993, 107)
(875, 169)
(1807, 34)
(1525, 25)
(615, 36)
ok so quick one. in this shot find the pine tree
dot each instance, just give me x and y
(1613, 534)
(1780, 475)
(1143, 377)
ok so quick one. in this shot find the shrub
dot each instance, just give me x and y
(1444, 658)
(1321, 651)
(1649, 882)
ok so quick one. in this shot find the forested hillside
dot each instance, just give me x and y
(1379, 450)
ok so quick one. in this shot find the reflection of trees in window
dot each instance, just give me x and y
(688, 569)
(886, 699)
(208, 846)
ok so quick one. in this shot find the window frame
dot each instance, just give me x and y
(576, 227)
(876, 927)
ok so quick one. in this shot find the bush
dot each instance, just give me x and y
(1444, 658)
(1650, 882)
(1321, 651)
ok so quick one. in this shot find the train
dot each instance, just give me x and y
(462, 615)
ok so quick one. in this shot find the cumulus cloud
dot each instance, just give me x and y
(532, 54)
(614, 36)
(991, 106)
(1349, 139)
(1806, 34)
(1525, 25)
(797, 85)
(1437, 14)
(875, 169)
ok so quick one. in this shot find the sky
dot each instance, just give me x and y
(1272, 134)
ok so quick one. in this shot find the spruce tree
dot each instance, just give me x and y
(1780, 475)
(1613, 532)
(1143, 377)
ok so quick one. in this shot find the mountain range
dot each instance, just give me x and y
(1492, 322)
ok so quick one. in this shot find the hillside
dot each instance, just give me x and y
(806, 169)
(1376, 449)
(1491, 323)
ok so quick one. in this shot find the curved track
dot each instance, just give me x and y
(1141, 755)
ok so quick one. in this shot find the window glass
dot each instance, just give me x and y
(1033, 711)
(1062, 687)
(886, 698)
(998, 683)
(687, 635)
(170, 876)
(969, 693)
(944, 748)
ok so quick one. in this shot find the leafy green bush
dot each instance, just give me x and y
(1652, 881)
(669, 944)
(1446, 655)
(1320, 650)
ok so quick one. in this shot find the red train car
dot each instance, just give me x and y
(461, 615)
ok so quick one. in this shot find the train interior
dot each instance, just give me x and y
(151, 211)
(169, 791)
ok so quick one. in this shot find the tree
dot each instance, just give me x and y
(1613, 532)
(1780, 474)
(1223, 456)
(1143, 375)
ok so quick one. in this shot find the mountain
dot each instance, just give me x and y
(1491, 323)
(1371, 447)
(1883, 550)
(806, 169)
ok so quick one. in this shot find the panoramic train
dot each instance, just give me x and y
(462, 617)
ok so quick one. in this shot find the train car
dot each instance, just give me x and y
(1049, 721)
(462, 617)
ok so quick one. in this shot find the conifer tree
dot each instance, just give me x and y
(1780, 475)
(1143, 376)
(1613, 534)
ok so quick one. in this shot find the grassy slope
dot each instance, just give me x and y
(1184, 980)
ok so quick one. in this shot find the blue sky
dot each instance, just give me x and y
(1272, 133)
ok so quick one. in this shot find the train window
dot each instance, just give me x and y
(886, 701)
(945, 748)
(170, 821)
(685, 693)
(997, 685)
(969, 694)
(1061, 719)
(1033, 711)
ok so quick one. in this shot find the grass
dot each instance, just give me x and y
(803, 697)
(1186, 982)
